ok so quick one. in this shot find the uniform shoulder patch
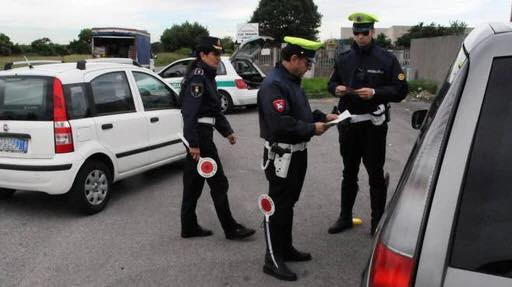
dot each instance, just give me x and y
(198, 72)
(279, 105)
(401, 76)
(196, 89)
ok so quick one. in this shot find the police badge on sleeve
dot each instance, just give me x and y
(196, 89)
(279, 105)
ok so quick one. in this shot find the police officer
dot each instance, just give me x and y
(287, 124)
(365, 78)
(201, 111)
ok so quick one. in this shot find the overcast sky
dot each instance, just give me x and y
(61, 20)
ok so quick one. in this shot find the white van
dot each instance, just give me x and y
(78, 127)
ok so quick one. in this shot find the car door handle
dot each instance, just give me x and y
(107, 126)
(154, 119)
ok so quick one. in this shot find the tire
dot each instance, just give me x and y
(226, 103)
(92, 187)
(6, 193)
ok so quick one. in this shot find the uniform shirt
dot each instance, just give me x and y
(199, 99)
(284, 112)
(370, 67)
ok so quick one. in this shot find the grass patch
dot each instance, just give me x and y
(164, 59)
(316, 88)
(68, 58)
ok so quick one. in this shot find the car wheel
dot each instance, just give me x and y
(226, 103)
(6, 193)
(91, 188)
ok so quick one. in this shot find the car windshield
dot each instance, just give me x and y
(25, 98)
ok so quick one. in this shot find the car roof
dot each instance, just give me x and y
(483, 32)
(66, 72)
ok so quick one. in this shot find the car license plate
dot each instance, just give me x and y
(16, 145)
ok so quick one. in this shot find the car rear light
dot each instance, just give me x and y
(61, 126)
(241, 84)
(389, 268)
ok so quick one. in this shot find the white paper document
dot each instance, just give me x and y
(345, 115)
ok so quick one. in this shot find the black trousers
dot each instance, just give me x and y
(364, 141)
(193, 184)
(285, 193)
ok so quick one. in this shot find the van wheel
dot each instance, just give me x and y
(226, 103)
(6, 193)
(91, 189)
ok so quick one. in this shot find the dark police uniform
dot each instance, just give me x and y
(365, 137)
(201, 111)
(286, 124)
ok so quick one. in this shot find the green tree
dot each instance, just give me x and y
(6, 45)
(432, 30)
(277, 19)
(383, 41)
(182, 36)
(228, 44)
(83, 44)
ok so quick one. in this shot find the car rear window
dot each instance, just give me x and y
(26, 98)
(483, 233)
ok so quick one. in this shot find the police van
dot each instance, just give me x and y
(238, 78)
(449, 222)
(79, 127)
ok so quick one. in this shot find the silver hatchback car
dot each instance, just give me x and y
(449, 222)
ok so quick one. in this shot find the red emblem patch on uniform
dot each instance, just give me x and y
(279, 105)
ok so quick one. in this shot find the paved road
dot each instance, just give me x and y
(136, 242)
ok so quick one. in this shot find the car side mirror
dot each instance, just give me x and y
(418, 117)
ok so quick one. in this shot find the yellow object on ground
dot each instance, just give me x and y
(357, 221)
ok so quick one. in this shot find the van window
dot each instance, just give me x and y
(112, 95)
(26, 98)
(221, 69)
(483, 237)
(77, 102)
(154, 94)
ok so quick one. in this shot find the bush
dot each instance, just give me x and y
(184, 51)
(416, 86)
(316, 87)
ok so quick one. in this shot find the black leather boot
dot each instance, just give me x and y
(294, 255)
(279, 271)
(340, 225)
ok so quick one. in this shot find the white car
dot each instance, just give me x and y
(238, 78)
(78, 127)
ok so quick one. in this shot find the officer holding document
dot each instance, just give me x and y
(365, 78)
(287, 124)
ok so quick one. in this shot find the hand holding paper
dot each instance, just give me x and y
(345, 115)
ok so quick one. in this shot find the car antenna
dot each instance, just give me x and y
(28, 63)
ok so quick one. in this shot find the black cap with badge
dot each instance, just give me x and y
(209, 44)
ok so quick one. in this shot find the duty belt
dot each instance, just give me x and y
(290, 147)
(377, 117)
(206, 120)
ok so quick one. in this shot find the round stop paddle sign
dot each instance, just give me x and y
(206, 167)
(266, 204)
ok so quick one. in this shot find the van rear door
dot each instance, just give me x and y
(26, 117)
